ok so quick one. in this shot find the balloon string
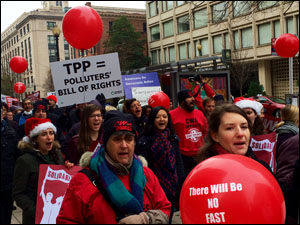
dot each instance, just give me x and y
(82, 56)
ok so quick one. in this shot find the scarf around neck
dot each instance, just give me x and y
(126, 202)
(164, 164)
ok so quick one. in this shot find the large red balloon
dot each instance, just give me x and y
(287, 45)
(159, 99)
(18, 64)
(231, 189)
(19, 87)
(82, 27)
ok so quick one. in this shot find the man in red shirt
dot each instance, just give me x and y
(191, 127)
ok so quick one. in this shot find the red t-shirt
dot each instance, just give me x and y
(191, 128)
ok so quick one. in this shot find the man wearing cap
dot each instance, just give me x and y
(114, 187)
(53, 108)
(191, 127)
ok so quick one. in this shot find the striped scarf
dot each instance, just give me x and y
(164, 164)
(126, 202)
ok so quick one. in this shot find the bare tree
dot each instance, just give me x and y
(48, 84)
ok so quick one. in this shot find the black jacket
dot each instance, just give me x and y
(9, 154)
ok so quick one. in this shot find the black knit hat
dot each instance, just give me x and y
(183, 94)
(39, 105)
(115, 121)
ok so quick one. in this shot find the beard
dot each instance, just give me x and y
(188, 106)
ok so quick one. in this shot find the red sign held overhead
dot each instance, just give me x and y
(53, 183)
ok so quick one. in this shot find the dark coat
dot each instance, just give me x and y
(288, 157)
(9, 154)
(25, 181)
(143, 147)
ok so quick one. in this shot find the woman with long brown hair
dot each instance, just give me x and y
(90, 133)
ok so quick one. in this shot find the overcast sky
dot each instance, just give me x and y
(11, 10)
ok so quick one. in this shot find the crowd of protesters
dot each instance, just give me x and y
(135, 158)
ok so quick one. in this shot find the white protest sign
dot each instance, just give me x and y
(144, 93)
(81, 80)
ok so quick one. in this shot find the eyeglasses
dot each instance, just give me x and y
(95, 115)
(135, 105)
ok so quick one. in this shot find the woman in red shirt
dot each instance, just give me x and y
(121, 190)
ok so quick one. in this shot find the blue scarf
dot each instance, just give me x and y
(126, 202)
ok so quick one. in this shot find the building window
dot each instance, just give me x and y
(247, 37)
(264, 34)
(110, 24)
(58, 3)
(21, 32)
(153, 10)
(155, 34)
(204, 50)
(24, 30)
(182, 51)
(144, 27)
(236, 39)
(67, 54)
(217, 44)
(51, 40)
(276, 25)
(155, 57)
(166, 5)
(178, 3)
(289, 25)
(219, 12)
(50, 25)
(27, 27)
(266, 4)
(183, 24)
(241, 8)
(200, 18)
(168, 28)
(297, 25)
(172, 55)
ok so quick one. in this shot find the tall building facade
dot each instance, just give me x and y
(31, 36)
(175, 28)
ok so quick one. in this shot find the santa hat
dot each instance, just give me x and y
(248, 103)
(52, 97)
(34, 126)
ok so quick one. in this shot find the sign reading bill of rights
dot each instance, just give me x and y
(141, 86)
(81, 80)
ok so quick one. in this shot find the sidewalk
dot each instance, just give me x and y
(17, 217)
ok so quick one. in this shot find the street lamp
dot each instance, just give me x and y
(56, 33)
(199, 48)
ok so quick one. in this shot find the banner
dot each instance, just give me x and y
(139, 80)
(144, 93)
(264, 147)
(270, 122)
(34, 96)
(52, 185)
(81, 80)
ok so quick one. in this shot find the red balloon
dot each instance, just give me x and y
(18, 64)
(231, 189)
(82, 27)
(19, 87)
(287, 45)
(159, 99)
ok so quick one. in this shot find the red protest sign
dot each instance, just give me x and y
(53, 183)
(264, 147)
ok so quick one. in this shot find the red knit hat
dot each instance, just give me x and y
(33, 126)
(52, 97)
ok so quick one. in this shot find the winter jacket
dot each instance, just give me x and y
(191, 128)
(9, 154)
(143, 147)
(83, 203)
(25, 181)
